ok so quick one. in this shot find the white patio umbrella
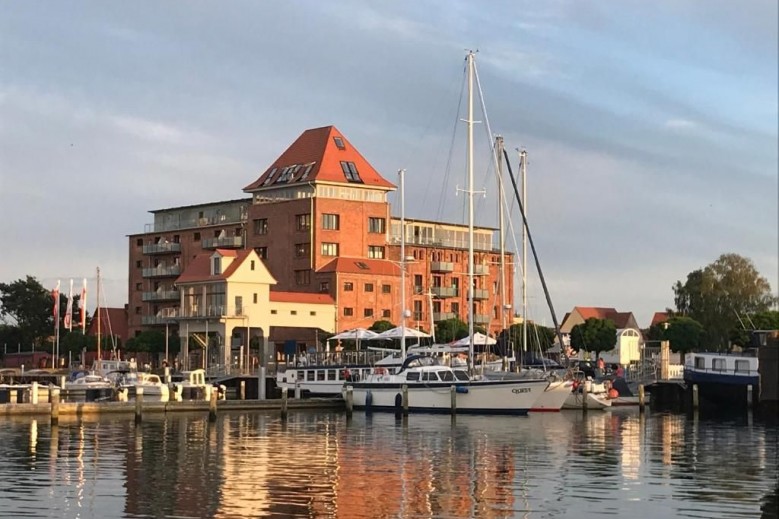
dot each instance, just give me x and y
(397, 333)
(478, 338)
(355, 334)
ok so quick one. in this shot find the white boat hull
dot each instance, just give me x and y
(594, 401)
(553, 397)
(478, 396)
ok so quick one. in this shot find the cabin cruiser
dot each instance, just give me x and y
(150, 383)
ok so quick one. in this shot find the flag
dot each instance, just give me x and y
(83, 307)
(55, 294)
(68, 320)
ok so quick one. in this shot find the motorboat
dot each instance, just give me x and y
(192, 385)
(150, 383)
(89, 387)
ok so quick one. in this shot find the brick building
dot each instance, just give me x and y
(320, 220)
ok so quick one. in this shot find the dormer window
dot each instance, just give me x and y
(339, 142)
(217, 265)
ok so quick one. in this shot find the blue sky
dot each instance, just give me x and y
(651, 127)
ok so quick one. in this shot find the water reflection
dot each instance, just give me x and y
(317, 465)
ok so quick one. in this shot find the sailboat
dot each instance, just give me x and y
(429, 386)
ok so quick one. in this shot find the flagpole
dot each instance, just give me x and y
(56, 295)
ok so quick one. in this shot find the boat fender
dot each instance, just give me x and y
(380, 371)
(613, 393)
(461, 389)
(575, 386)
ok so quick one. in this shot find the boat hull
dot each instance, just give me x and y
(575, 400)
(553, 397)
(476, 397)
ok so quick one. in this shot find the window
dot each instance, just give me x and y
(386, 289)
(718, 364)
(293, 312)
(252, 265)
(386, 313)
(412, 376)
(350, 172)
(302, 250)
(369, 287)
(138, 286)
(348, 312)
(217, 266)
(139, 242)
(139, 263)
(312, 313)
(269, 178)
(238, 305)
(418, 280)
(700, 363)
(262, 252)
(324, 286)
(261, 226)
(376, 252)
(309, 167)
(339, 142)
(742, 366)
(348, 286)
(302, 277)
(329, 249)
(376, 225)
(176, 238)
(303, 222)
(197, 236)
(137, 310)
(367, 312)
(437, 307)
(254, 298)
(274, 312)
(331, 221)
(456, 308)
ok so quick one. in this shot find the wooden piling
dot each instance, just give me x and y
(242, 391)
(138, 404)
(695, 396)
(55, 406)
(349, 401)
(404, 393)
(212, 405)
(453, 398)
(641, 400)
(13, 396)
(284, 392)
(297, 390)
(34, 393)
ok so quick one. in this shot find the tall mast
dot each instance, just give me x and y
(502, 232)
(470, 208)
(523, 157)
(98, 317)
(402, 175)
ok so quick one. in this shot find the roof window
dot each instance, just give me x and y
(350, 172)
(339, 142)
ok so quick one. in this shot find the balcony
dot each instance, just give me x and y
(481, 319)
(225, 242)
(481, 270)
(161, 248)
(480, 293)
(441, 266)
(218, 311)
(164, 316)
(444, 291)
(161, 295)
(162, 272)
(443, 316)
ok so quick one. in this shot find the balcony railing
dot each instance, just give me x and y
(162, 295)
(226, 242)
(480, 293)
(155, 320)
(481, 319)
(198, 312)
(161, 248)
(161, 272)
(444, 291)
(481, 270)
(441, 266)
(443, 316)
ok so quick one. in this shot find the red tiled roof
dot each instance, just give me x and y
(300, 297)
(620, 319)
(317, 148)
(362, 266)
(113, 321)
(199, 268)
(659, 317)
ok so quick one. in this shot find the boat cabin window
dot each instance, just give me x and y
(718, 364)
(742, 366)
(412, 376)
(446, 376)
(433, 377)
(309, 376)
(700, 363)
(332, 374)
(460, 375)
(320, 374)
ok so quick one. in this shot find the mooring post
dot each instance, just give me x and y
(55, 406)
(167, 375)
(138, 404)
(349, 401)
(297, 390)
(13, 396)
(695, 396)
(242, 394)
(453, 399)
(585, 392)
(404, 393)
(212, 405)
(641, 400)
(261, 383)
(750, 396)
(284, 392)
(34, 393)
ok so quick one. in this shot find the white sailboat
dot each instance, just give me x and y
(428, 385)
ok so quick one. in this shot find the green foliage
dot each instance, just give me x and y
(152, 341)
(719, 294)
(537, 337)
(381, 326)
(450, 330)
(684, 334)
(594, 335)
(27, 305)
(768, 320)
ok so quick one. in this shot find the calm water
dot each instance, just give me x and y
(316, 465)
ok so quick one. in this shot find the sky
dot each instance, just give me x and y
(650, 127)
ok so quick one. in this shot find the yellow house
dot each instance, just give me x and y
(227, 302)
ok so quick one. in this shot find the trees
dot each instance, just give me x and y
(721, 293)
(450, 330)
(29, 306)
(684, 334)
(538, 337)
(768, 320)
(381, 326)
(594, 335)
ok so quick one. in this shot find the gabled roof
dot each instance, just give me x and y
(300, 297)
(199, 269)
(659, 317)
(620, 319)
(362, 266)
(317, 156)
(113, 321)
